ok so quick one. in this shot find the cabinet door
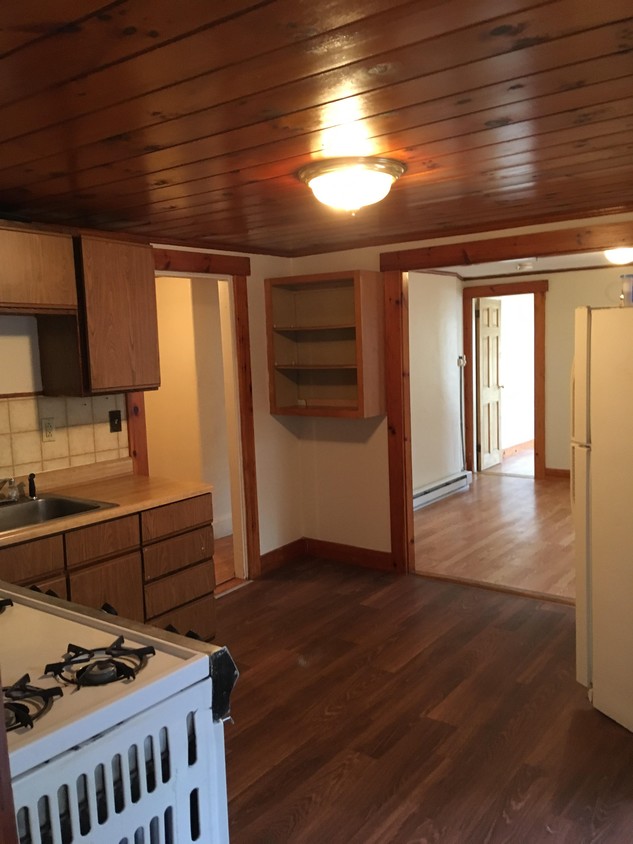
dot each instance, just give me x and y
(118, 583)
(120, 312)
(37, 271)
(31, 561)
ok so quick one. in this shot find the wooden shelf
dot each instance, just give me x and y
(331, 327)
(342, 327)
(315, 366)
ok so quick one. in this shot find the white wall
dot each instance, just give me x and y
(435, 342)
(516, 369)
(19, 346)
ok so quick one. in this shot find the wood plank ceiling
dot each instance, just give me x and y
(186, 122)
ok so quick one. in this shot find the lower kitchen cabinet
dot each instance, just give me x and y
(177, 544)
(197, 617)
(104, 566)
(118, 582)
(56, 586)
(32, 562)
(153, 566)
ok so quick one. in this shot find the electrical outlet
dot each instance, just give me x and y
(48, 429)
(115, 421)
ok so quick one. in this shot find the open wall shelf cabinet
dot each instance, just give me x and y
(326, 344)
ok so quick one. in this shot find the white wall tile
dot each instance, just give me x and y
(6, 454)
(27, 447)
(101, 406)
(23, 415)
(52, 407)
(81, 439)
(107, 455)
(59, 463)
(56, 448)
(4, 416)
(26, 468)
(79, 411)
(82, 433)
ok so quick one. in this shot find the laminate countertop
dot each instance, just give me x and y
(129, 494)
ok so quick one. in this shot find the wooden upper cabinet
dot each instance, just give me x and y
(121, 331)
(37, 272)
(326, 344)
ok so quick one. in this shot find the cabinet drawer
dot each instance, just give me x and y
(30, 560)
(178, 589)
(198, 616)
(177, 517)
(104, 539)
(57, 585)
(177, 553)
(118, 582)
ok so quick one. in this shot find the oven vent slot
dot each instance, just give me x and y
(157, 778)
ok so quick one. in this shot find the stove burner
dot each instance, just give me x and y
(24, 704)
(4, 603)
(100, 666)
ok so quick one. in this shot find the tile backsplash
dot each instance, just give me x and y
(82, 433)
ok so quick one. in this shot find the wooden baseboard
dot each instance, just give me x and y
(557, 473)
(515, 449)
(334, 551)
(278, 557)
(367, 558)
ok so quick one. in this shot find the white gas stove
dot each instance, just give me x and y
(132, 750)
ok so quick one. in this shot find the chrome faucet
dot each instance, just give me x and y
(13, 491)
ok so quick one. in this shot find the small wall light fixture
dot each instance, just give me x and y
(621, 255)
(351, 182)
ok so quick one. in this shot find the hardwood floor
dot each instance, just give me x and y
(521, 463)
(509, 532)
(375, 709)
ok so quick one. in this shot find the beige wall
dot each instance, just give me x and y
(173, 417)
(435, 342)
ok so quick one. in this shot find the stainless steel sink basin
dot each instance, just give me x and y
(45, 508)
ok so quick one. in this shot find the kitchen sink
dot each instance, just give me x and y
(45, 508)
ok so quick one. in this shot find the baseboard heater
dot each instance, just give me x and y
(440, 489)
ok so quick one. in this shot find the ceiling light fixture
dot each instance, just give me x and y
(351, 182)
(621, 255)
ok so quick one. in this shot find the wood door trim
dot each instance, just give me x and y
(469, 294)
(398, 399)
(137, 431)
(247, 424)
(545, 243)
(200, 263)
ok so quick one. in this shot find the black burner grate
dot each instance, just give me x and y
(100, 666)
(4, 603)
(24, 704)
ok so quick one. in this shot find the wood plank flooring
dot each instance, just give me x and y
(509, 532)
(374, 709)
(223, 559)
(521, 463)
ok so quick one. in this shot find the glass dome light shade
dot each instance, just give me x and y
(348, 184)
(621, 255)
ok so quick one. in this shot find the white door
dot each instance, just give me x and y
(611, 412)
(488, 330)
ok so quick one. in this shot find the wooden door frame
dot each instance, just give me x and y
(394, 265)
(469, 294)
(238, 268)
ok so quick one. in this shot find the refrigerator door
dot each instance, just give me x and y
(610, 512)
(580, 465)
(580, 431)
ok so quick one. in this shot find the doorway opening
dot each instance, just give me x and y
(504, 392)
(193, 419)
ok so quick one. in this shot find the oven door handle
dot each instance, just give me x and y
(224, 676)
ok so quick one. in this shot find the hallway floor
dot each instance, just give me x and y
(509, 532)
(521, 463)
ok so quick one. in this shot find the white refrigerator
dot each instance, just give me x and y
(602, 506)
